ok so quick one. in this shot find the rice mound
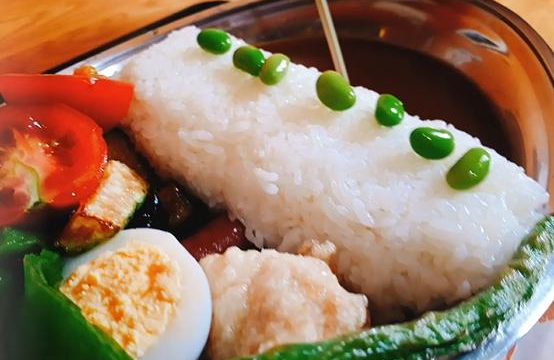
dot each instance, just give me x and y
(293, 171)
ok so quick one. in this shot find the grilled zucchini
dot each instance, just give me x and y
(120, 194)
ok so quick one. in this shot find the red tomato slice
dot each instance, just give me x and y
(63, 146)
(12, 206)
(105, 101)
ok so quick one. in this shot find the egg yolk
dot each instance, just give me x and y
(131, 294)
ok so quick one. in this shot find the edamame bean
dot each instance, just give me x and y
(249, 59)
(334, 91)
(214, 41)
(470, 170)
(274, 69)
(389, 111)
(433, 144)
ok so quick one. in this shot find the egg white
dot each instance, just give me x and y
(187, 333)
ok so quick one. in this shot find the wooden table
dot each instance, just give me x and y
(36, 35)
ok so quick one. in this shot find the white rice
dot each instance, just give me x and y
(292, 170)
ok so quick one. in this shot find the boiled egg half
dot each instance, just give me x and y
(144, 290)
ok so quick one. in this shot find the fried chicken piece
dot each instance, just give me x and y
(263, 299)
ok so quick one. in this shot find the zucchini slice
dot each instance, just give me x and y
(441, 334)
(104, 214)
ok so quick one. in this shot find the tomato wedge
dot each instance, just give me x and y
(105, 101)
(13, 205)
(48, 154)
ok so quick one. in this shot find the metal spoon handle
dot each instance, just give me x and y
(331, 36)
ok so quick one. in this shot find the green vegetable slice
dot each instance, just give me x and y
(6, 286)
(99, 218)
(9, 313)
(17, 242)
(14, 244)
(56, 327)
(444, 333)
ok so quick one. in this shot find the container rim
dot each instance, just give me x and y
(211, 8)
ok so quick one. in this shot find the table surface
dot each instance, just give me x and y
(38, 35)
